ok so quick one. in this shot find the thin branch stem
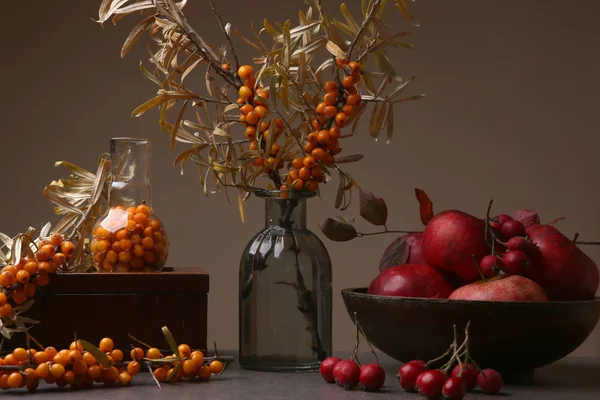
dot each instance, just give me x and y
(363, 27)
(384, 232)
(588, 243)
(227, 36)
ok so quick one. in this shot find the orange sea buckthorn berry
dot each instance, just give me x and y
(153, 353)
(52, 267)
(59, 258)
(133, 368)
(298, 184)
(89, 359)
(240, 101)
(148, 231)
(43, 242)
(64, 352)
(40, 357)
(42, 255)
(317, 172)
(143, 209)
(9, 359)
(189, 366)
(74, 356)
(108, 266)
(309, 147)
(57, 370)
(42, 280)
(312, 137)
(43, 370)
(3, 299)
(20, 354)
(117, 355)
(198, 356)
(6, 278)
(106, 345)
(15, 380)
(341, 61)
(137, 353)
(216, 367)
(328, 159)
(250, 133)
(297, 163)
(125, 257)
(348, 110)
(204, 373)
(262, 92)
(275, 149)
(43, 267)
(304, 173)
(111, 256)
(354, 66)
(330, 98)
(264, 125)
(95, 373)
(334, 132)
(294, 175)
(312, 186)
(226, 67)
(160, 374)
(51, 352)
(320, 110)
(246, 108)
(347, 82)
(60, 359)
(260, 110)
(67, 248)
(315, 124)
(10, 268)
(252, 118)
(147, 243)
(19, 296)
(246, 92)
(278, 123)
(333, 146)
(103, 246)
(318, 154)
(341, 119)
(330, 86)
(254, 145)
(330, 111)
(140, 219)
(79, 368)
(309, 162)
(323, 137)
(56, 239)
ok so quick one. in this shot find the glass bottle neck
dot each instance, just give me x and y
(130, 184)
(287, 214)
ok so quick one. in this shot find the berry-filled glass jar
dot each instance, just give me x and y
(129, 236)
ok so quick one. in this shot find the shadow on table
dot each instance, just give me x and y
(583, 376)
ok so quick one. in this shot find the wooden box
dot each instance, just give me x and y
(98, 305)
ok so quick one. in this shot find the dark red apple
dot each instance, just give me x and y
(404, 250)
(449, 241)
(411, 280)
(505, 288)
(561, 268)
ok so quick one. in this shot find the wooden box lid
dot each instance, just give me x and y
(170, 280)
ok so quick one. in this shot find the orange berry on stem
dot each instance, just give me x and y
(30, 290)
(264, 125)
(334, 132)
(6, 278)
(341, 61)
(333, 146)
(354, 66)
(106, 345)
(297, 163)
(294, 175)
(309, 162)
(23, 277)
(317, 172)
(56, 239)
(254, 145)
(245, 72)
(298, 184)
(318, 154)
(347, 82)
(323, 137)
(216, 367)
(252, 118)
(42, 280)
(312, 137)
(328, 159)
(246, 108)
(330, 98)
(330, 111)
(315, 124)
(240, 101)
(312, 186)
(260, 110)
(259, 162)
(348, 110)
(226, 67)
(250, 133)
(275, 149)
(304, 173)
(245, 92)
(320, 110)
(341, 119)
(330, 86)
(19, 296)
(3, 299)
(309, 147)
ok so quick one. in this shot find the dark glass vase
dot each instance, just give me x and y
(285, 291)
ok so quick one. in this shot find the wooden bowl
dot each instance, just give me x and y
(514, 337)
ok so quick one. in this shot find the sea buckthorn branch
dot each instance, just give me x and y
(284, 78)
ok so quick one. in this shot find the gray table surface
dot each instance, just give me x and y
(571, 378)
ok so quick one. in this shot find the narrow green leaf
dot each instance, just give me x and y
(171, 341)
(98, 354)
(390, 123)
(270, 28)
(148, 75)
(349, 18)
(174, 373)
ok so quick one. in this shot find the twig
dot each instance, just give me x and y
(227, 36)
(138, 340)
(487, 223)
(366, 338)
(364, 25)
(384, 232)
(588, 243)
(328, 35)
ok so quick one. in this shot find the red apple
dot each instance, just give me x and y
(561, 268)
(506, 288)
(411, 280)
(449, 241)
(404, 250)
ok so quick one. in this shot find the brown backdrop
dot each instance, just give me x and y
(510, 113)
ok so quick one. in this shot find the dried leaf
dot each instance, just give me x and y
(76, 170)
(384, 64)
(177, 124)
(397, 253)
(358, 115)
(390, 123)
(301, 70)
(98, 185)
(295, 32)
(349, 159)
(553, 222)
(425, 206)
(98, 354)
(150, 76)
(352, 24)
(174, 372)
(190, 69)
(270, 28)
(335, 50)
(241, 205)
(372, 208)
(377, 118)
(135, 34)
(247, 41)
(400, 88)
(153, 102)
(338, 229)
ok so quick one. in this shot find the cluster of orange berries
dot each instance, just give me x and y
(131, 238)
(333, 113)
(68, 367)
(252, 110)
(22, 279)
(193, 364)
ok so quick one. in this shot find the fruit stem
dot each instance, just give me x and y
(355, 352)
(366, 338)
(576, 237)
(474, 257)
(138, 340)
(588, 243)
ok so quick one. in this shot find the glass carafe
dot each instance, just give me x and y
(285, 291)
(129, 236)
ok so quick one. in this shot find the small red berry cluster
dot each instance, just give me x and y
(349, 373)
(512, 251)
(454, 379)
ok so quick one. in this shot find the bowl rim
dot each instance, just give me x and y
(361, 291)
